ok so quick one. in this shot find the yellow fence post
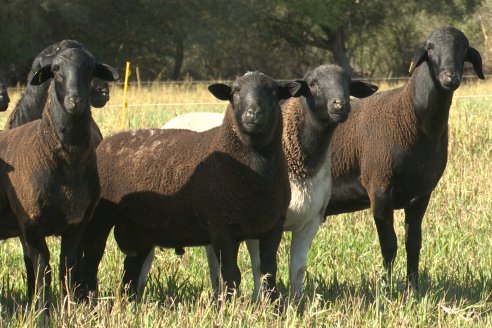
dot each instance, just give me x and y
(125, 103)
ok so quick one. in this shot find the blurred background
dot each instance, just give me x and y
(171, 40)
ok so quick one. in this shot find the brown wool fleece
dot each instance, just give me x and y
(32, 161)
(357, 146)
(178, 185)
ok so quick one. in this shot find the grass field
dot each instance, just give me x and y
(344, 265)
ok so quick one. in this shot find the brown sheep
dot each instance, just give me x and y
(49, 183)
(392, 150)
(177, 188)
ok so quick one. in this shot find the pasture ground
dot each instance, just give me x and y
(344, 265)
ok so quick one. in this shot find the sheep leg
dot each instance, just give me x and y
(383, 217)
(70, 255)
(37, 260)
(93, 246)
(226, 250)
(137, 267)
(268, 257)
(254, 254)
(301, 241)
(213, 267)
(414, 214)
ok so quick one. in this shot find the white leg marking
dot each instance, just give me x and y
(254, 253)
(214, 267)
(144, 271)
(301, 240)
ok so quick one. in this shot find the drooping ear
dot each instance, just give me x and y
(105, 72)
(220, 91)
(292, 89)
(42, 75)
(418, 57)
(473, 56)
(359, 89)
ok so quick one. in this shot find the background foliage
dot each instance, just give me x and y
(174, 40)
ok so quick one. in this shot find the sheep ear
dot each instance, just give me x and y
(473, 56)
(292, 89)
(42, 75)
(105, 72)
(220, 91)
(419, 56)
(359, 89)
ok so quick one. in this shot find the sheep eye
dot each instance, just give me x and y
(55, 68)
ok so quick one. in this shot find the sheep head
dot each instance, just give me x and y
(255, 102)
(99, 88)
(330, 88)
(445, 51)
(72, 71)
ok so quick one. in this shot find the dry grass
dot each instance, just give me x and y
(344, 264)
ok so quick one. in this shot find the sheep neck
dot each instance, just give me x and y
(264, 160)
(305, 139)
(30, 106)
(431, 103)
(68, 133)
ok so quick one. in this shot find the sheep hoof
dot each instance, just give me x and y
(179, 251)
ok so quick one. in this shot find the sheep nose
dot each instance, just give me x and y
(254, 114)
(338, 104)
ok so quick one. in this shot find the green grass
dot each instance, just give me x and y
(344, 265)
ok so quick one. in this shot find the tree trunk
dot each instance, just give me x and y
(336, 45)
(178, 59)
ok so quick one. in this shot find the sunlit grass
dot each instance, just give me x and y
(344, 264)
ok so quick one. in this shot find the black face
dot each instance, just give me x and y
(99, 88)
(330, 93)
(4, 97)
(255, 100)
(255, 103)
(72, 70)
(330, 90)
(446, 50)
(99, 92)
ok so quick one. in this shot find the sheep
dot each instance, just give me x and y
(31, 104)
(49, 182)
(176, 188)
(4, 96)
(308, 126)
(196, 121)
(392, 150)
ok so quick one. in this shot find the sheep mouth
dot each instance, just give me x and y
(338, 117)
(450, 86)
(253, 127)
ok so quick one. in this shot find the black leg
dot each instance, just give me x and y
(414, 213)
(383, 217)
(226, 250)
(93, 245)
(37, 260)
(268, 257)
(70, 255)
(137, 268)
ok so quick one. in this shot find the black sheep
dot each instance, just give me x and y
(392, 150)
(177, 188)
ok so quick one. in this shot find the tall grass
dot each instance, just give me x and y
(344, 265)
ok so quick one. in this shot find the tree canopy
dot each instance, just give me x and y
(219, 39)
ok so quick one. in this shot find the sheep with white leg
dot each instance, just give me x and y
(392, 150)
(176, 188)
(49, 182)
(309, 122)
